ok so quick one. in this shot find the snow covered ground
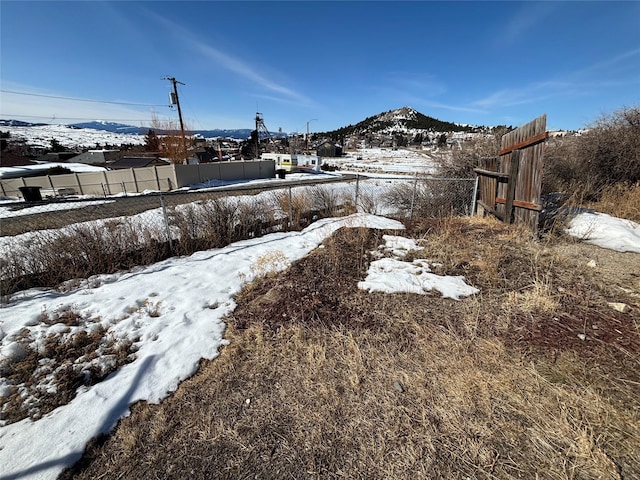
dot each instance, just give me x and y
(41, 136)
(376, 160)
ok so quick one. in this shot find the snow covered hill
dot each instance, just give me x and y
(70, 137)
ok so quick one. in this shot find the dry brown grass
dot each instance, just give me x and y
(619, 200)
(322, 380)
(49, 367)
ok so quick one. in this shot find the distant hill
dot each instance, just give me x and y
(18, 123)
(240, 133)
(400, 120)
(113, 127)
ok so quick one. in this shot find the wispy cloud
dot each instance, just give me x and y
(245, 71)
(610, 63)
(235, 65)
(585, 81)
(530, 93)
(526, 18)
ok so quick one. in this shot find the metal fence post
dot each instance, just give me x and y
(474, 199)
(413, 197)
(166, 223)
(290, 207)
(357, 190)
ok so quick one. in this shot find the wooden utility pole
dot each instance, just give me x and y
(175, 100)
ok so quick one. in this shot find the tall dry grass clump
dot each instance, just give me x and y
(302, 206)
(619, 200)
(79, 251)
(293, 204)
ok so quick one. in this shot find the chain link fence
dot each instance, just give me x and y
(50, 242)
(416, 197)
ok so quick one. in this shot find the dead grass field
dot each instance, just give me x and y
(535, 377)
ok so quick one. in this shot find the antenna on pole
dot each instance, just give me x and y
(175, 100)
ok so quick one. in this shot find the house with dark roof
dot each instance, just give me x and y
(56, 157)
(137, 162)
(97, 157)
(329, 149)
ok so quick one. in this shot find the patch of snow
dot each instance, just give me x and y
(606, 231)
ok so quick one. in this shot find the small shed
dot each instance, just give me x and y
(329, 149)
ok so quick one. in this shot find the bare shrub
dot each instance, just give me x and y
(461, 162)
(429, 198)
(562, 167)
(295, 204)
(328, 201)
(79, 251)
(203, 225)
(367, 203)
(253, 219)
(606, 154)
(611, 148)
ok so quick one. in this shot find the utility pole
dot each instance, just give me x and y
(258, 121)
(307, 137)
(175, 100)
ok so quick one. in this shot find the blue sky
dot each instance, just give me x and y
(327, 63)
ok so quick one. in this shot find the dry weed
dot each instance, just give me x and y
(619, 200)
(294, 204)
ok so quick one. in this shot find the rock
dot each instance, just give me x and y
(619, 307)
(592, 264)
(582, 336)
(398, 386)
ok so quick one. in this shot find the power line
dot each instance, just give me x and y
(9, 115)
(82, 99)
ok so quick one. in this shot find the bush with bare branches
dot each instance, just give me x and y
(606, 154)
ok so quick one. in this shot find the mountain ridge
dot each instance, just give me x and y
(400, 120)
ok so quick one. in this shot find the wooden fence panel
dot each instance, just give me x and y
(511, 185)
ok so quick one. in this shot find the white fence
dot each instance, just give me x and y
(138, 180)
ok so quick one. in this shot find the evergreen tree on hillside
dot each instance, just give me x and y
(151, 141)
(56, 146)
